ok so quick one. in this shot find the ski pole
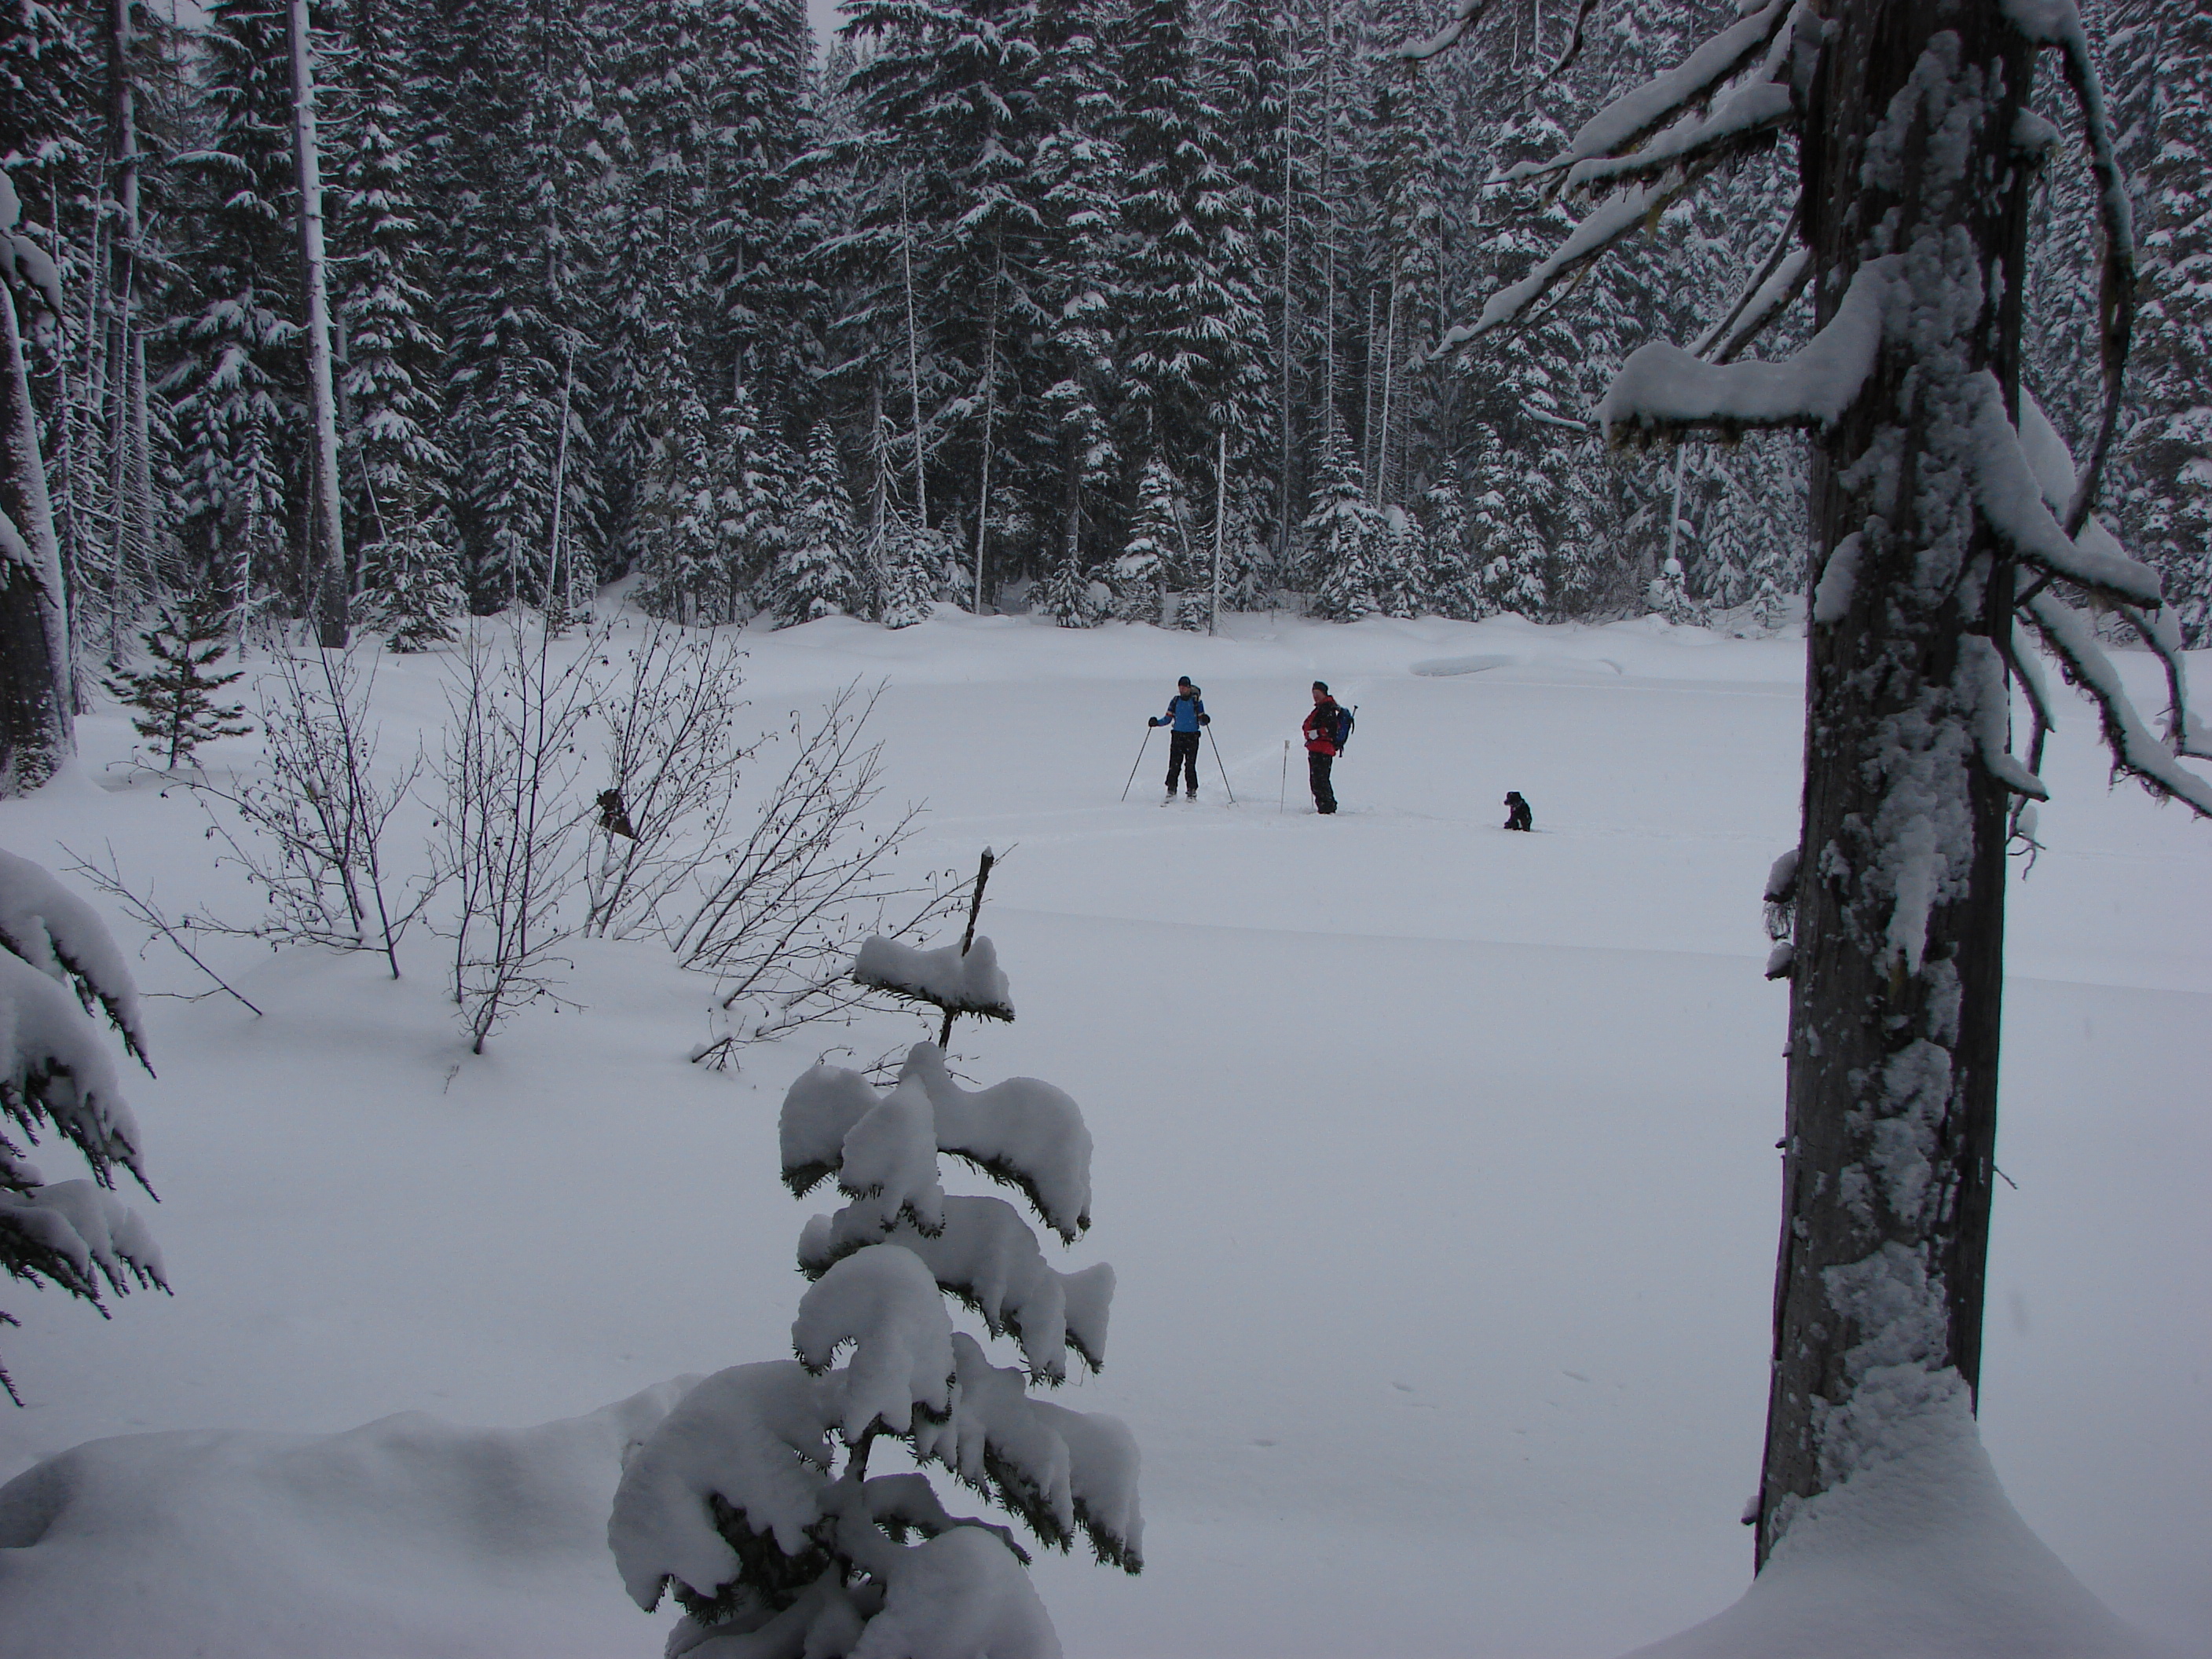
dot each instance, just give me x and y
(1283, 791)
(1137, 762)
(1224, 770)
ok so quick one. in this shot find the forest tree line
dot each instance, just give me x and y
(989, 303)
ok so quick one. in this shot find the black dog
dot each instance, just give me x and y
(1517, 816)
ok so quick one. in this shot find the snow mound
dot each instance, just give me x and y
(1920, 1556)
(406, 1536)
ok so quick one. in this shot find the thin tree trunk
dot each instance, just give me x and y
(329, 593)
(1897, 980)
(990, 411)
(1382, 492)
(914, 366)
(1290, 227)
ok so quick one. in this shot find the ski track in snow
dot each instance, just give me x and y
(1436, 1164)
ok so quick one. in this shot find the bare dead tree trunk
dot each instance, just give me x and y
(329, 594)
(1898, 979)
(37, 732)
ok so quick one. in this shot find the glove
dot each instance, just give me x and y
(1206, 719)
(1154, 722)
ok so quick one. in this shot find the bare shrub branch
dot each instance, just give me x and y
(778, 925)
(509, 823)
(310, 832)
(673, 758)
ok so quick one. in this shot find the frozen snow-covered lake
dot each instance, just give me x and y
(1436, 1164)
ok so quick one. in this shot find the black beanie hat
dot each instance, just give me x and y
(1321, 686)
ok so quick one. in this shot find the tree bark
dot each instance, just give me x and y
(37, 732)
(329, 592)
(1897, 979)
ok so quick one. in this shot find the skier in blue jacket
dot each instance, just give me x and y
(1186, 715)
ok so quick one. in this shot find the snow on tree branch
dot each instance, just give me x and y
(1662, 388)
(962, 982)
(1749, 112)
(2135, 749)
(985, 1253)
(61, 936)
(53, 1068)
(1687, 86)
(2013, 502)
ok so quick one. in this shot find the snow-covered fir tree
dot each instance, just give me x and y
(521, 302)
(1447, 584)
(396, 471)
(1190, 328)
(2161, 68)
(1344, 537)
(1153, 557)
(815, 575)
(752, 1502)
(237, 377)
(58, 962)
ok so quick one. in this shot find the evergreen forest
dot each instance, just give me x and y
(1080, 308)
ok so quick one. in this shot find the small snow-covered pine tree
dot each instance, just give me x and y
(912, 559)
(175, 698)
(752, 1500)
(1446, 581)
(57, 963)
(1154, 550)
(1344, 536)
(814, 574)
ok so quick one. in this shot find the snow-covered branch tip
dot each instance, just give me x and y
(1662, 389)
(1684, 89)
(1777, 281)
(60, 935)
(2015, 497)
(2135, 749)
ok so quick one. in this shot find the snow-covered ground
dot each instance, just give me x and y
(1436, 1163)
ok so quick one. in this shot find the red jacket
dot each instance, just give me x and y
(1319, 727)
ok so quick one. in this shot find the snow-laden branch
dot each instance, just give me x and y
(2014, 502)
(1687, 85)
(1663, 388)
(1748, 112)
(1606, 224)
(2135, 749)
(1468, 14)
(61, 936)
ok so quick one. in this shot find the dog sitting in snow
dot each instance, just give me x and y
(1517, 816)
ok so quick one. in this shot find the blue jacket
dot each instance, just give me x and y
(1185, 712)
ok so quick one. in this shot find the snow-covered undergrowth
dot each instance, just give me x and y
(1436, 1163)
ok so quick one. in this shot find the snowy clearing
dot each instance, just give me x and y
(1435, 1164)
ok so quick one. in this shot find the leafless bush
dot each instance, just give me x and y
(786, 907)
(673, 756)
(309, 832)
(509, 842)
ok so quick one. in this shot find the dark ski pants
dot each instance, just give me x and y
(1317, 773)
(1182, 755)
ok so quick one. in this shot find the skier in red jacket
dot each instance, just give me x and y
(1326, 729)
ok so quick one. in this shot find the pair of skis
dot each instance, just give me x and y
(1139, 760)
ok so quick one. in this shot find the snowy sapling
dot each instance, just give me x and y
(176, 696)
(752, 1500)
